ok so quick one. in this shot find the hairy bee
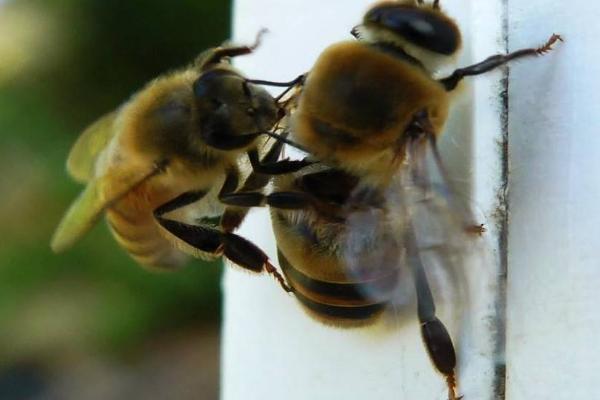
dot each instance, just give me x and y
(377, 209)
(178, 141)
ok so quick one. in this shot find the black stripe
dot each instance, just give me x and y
(355, 292)
(354, 313)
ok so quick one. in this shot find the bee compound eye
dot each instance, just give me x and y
(204, 85)
(211, 82)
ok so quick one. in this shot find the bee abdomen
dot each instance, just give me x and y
(337, 303)
(140, 236)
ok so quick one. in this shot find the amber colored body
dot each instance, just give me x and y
(146, 130)
(155, 148)
(358, 101)
(344, 271)
(139, 144)
(135, 228)
(372, 211)
(353, 111)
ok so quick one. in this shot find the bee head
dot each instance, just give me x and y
(230, 107)
(421, 30)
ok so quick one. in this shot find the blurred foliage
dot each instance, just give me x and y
(63, 63)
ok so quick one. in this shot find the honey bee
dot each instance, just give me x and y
(378, 208)
(178, 141)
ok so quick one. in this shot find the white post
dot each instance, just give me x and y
(554, 242)
(271, 348)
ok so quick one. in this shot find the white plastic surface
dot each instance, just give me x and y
(272, 349)
(554, 243)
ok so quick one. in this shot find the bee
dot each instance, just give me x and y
(178, 141)
(377, 209)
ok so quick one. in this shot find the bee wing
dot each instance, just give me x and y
(421, 224)
(435, 242)
(373, 253)
(99, 194)
(84, 153)
(439, 238)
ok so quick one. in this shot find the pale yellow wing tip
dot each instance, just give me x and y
(80, 218)
(87, 148)
(59, 243)
(88, 207)
(69, 231)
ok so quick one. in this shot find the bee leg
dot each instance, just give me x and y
(211, 240)
(178, 202)
(237, 249)
(495, 61)
(435, 335)
(248, 196)
(330, 185)
(323, 199)
(276, 167)
(256, 180)
(234, 216)
(284, 200)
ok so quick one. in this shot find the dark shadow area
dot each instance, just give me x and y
(90, 323)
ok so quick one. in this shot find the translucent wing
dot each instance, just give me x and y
(418, 224)
(98, 194)
(94, 139)
(444, 224)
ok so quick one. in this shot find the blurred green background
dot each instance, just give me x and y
(90, 324)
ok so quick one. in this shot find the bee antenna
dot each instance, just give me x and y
(258, 39)
(436, 4)
(285, 140)
(296, 81)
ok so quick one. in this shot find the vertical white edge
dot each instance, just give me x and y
(271, 348)
(554, 237)
(482, 349)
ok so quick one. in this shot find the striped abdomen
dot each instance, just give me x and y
(334, 281)
(133, 225)
(132, 221)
